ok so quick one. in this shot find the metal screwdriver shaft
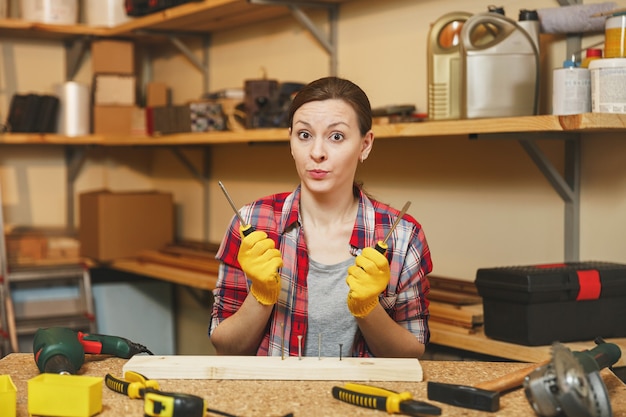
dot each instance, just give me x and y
(246, 228)
(381, 246)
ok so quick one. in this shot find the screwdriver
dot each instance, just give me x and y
(381, 246)
(246, 229)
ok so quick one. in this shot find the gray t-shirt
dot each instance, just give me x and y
(329, 317)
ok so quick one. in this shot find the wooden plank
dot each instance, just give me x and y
(276, 368)
(207, 266)
(478, 342)
(451, 314)
(437, 326)
(452, 297)
(451, 284)
(203, 281)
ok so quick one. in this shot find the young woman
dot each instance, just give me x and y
(305, 276)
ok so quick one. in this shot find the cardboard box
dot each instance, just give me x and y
(157, 94)
(112, 57)
(120, 224)
(541, 304)
(114, 89)
(113, 120)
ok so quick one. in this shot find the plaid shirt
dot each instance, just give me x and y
(278, 215)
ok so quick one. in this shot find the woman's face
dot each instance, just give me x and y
(327, 145)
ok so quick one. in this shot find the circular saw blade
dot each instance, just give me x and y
(580, 394)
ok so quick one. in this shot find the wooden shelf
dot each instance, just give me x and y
(194, 17)
(581, 123)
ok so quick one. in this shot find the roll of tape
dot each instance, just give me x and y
(74, 109)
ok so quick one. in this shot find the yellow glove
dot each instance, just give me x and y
(367, 278)
(260, 261)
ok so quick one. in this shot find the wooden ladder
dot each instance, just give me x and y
(63, 297)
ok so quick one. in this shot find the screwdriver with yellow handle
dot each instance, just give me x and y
(381, 399)
(381, 245)
(246, 229)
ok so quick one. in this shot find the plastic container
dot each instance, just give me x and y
(444, 66)
(590, 55)
(61, 12)
(615, 37)
(64, 395)
(529, 21)
(8, 397)
(608, 85)
(500, 64)
(566, 302)
(571, 89)
(106, 13)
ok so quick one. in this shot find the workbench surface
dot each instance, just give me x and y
(303, 398)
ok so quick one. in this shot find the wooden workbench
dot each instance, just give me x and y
(303, 398)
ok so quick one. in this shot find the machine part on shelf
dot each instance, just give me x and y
(564, 386)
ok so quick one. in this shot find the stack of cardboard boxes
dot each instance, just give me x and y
(114, 87)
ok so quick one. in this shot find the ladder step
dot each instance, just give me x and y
(42, 274)
(28, 327)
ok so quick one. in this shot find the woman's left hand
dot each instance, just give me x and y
(367, 278)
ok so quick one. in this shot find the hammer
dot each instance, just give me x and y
(484, 396)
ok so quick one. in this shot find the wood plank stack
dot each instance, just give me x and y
(455, 305)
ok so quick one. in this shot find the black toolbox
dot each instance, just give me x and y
(540, 304)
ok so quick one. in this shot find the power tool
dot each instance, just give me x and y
(60, 350)
(570, 384)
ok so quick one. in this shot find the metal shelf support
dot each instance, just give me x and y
(566, 185)
(203, 177)
(327, 41)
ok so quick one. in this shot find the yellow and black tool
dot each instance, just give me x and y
(246, 229)
(381, 246)
(158, 403)
(385, 400)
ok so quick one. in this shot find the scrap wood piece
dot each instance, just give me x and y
(208, 266)
(451, 284)
(190, 278)
(438, 326)
(276, 368)
(448, 313)
(452, 297)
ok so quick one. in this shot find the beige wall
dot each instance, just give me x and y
(482, 203)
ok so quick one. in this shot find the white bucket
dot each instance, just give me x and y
(61, 12)
(608, 85)
(105, 12)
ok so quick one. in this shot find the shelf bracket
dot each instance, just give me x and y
(201, 64)
(74, 160)
(202, 177)
(327, 41)
(566, 185)
(74, 52)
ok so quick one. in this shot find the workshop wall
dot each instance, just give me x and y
(482, 202)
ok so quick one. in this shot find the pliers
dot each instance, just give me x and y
(134, 384)
(382, 399)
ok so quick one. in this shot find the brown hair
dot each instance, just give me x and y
(335, 88)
